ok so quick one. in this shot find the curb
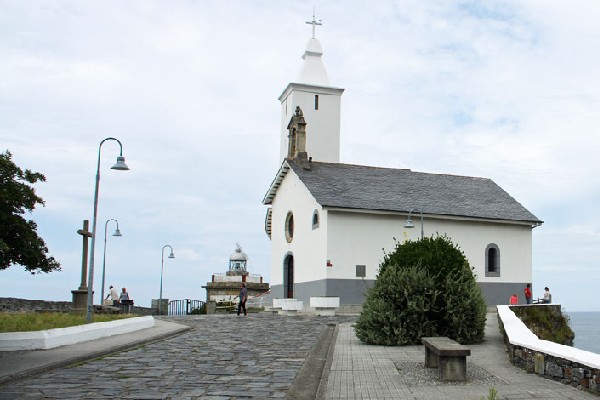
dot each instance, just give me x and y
(309, 379)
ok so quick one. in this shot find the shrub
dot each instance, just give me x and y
(424, 288)
(392, 315)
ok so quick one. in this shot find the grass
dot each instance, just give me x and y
(492, 394)
(38, 321)
(547, 323)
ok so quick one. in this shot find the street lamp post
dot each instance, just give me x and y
(409, 223)
(171, 255)
(120, 166)
(117, 233)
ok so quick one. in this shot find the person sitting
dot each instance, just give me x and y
(514, 300)
(547, 296)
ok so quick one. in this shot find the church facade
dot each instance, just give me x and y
(330, 223)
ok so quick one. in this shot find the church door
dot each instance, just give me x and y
(288, 277)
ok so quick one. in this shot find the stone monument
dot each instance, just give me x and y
(80, 294)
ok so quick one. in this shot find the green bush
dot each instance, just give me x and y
(424, 288)
(392, 315)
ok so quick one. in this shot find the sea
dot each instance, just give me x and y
(586, 325)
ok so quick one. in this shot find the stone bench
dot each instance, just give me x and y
(449, 357)
(325, 306)
(291, 307)
(277, 307)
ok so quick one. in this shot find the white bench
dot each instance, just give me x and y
(291, 307)
(278, 305)
(325, 306)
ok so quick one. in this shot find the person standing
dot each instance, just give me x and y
(528, 294)
(125, 302)
(243, 298)
(114, 296)
(124, 295)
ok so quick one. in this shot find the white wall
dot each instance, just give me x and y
(358, 239)
(322, 125)
(308, 245)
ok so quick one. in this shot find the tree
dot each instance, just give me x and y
(423, 288)
(19, 241)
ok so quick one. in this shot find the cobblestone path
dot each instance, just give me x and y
(222, 357)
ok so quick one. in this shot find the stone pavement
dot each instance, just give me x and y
(221, 357)
(263, 356)
(358, 371)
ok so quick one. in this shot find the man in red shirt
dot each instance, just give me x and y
(528, 294)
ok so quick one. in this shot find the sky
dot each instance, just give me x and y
(506, 90)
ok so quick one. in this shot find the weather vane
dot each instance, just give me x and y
(314, 23)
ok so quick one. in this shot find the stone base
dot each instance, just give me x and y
(80, 297)
(164, 306)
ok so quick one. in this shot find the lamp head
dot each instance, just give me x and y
(120, 164)
(117, 232)
(171, 255)
(409, 224)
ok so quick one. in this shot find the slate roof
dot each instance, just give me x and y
(371, 188)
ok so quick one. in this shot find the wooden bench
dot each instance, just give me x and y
(449, 357)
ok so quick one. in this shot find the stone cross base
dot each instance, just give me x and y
(80, 300)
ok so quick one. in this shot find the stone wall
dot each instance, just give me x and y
(10, 304)
(552, 367)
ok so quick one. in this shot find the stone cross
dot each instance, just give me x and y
(84, 259)
(314, 23)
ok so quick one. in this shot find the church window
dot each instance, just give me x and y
(361, 271)
(289, 227)
(492, 260)
(316, 101)
(315, 220)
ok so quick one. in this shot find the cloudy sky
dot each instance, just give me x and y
(507, 90)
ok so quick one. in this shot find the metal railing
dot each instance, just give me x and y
(185, 306)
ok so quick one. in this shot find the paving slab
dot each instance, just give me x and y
(360, 371)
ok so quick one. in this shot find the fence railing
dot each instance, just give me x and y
(185, 306)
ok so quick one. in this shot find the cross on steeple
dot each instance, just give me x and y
(314, 23)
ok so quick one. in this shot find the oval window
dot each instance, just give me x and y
(289, 227)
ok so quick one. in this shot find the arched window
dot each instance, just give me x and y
(492, 260)
(315, 219)
(289, 227)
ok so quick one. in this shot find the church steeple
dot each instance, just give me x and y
(319, 102)
(313, 70)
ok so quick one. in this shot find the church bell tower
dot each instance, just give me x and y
(320, 105)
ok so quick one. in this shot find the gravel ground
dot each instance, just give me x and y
(415, 374)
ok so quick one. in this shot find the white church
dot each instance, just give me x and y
(330, 223)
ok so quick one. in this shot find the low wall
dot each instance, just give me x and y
(566, 364)
(21, 305)
(51, 338)
(10, 304)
